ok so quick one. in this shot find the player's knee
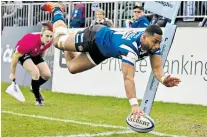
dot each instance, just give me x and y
(61, 29)
(71, 69)
(35, 75)
(60, 36)
(46, 75)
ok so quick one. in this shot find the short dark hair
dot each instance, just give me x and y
(138, 7)
(152, 29)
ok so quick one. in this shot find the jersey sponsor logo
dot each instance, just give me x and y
(26, 56)
(80, 48)
(128, 35)
(142, 53)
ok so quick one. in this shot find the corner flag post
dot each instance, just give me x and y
(168, 10)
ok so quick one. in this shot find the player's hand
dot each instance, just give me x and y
(12, 77)
(170, 81)
(136, 112)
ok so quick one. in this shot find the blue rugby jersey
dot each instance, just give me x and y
(123, 45)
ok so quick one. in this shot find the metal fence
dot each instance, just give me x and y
(28, 14)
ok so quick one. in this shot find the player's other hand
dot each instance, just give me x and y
(136, 112)
(12, 77)
(170, 81)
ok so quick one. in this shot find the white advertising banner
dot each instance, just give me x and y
(187, 59)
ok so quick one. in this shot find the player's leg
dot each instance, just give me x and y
(44, 70)
(70, 55)
(85, 60)
(45, 73)
(78, 63)
(33, 70)
(63, 39)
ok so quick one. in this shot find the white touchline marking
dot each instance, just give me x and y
(96, 135)
(89, 124)
(65, 120)
(112, 133)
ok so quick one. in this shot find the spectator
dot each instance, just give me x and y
(139, 20)
(78, 16)
(100, 19)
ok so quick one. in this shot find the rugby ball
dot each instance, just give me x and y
(142, 124)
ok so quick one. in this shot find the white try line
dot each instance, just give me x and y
(89, 124)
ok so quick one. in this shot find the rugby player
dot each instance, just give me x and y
(97, 43)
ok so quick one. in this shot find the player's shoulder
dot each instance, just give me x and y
(137, 34)
(32, 35)
(140, 32)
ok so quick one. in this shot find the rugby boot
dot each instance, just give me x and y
(50, 6)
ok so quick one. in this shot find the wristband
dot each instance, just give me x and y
(133, 101)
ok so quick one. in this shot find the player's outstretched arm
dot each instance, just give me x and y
(128, 75)
(156, 64)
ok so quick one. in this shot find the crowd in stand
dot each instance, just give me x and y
(16, 14)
